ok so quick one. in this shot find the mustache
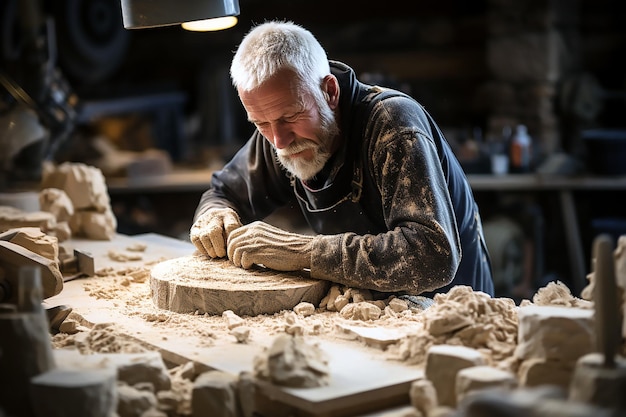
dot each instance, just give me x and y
(295, 148)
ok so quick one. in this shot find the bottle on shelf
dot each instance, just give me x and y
(520, 150)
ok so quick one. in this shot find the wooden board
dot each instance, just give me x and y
(359, 380)
(195, 283)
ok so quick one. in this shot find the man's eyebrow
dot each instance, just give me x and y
(284, 116)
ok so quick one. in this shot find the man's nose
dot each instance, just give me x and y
(283, 136)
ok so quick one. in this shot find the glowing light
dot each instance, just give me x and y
(209, 25)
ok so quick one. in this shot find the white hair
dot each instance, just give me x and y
(277, 45)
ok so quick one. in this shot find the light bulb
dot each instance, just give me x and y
(218, 23)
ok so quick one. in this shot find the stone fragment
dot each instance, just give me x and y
(246, 390)
(361, 311)
(94, 225)
(232, 319)
(33, 239)
(423, 396)
(328, 302)
(57, 202)
(360, 294)
(477, 378)
(132, 368)
(398, 305)
(538, 371)
(132, 402)
(60, 393)
(447, 323)
(11, 218)
(597, 384)
(61, 231)
(443, 362)
(84, 185)
(304, 309)
(188, 371)
(341, 301)
(291, 361)
(215, 394)
(168, 401)
(241, 333)
(144, 367)
(558, 333)
(69, 327)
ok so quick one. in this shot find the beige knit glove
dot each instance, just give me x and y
(263, 244)
(210, 231)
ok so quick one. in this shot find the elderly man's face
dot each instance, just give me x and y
(301, 128)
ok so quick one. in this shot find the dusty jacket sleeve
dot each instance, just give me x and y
(252, 183)
(421, 249)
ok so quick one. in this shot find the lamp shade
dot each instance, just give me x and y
(138, 14)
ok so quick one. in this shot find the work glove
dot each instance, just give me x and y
(263, 244)
(210, 231)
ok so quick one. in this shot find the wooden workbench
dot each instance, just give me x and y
(361, 379)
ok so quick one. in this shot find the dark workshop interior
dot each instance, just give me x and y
(109, 137)
(153, 102)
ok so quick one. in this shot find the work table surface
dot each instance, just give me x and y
(111, 297)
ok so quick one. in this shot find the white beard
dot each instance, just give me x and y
(302, 168)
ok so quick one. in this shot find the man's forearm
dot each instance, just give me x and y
(371, 262)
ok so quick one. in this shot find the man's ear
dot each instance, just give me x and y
(330, 87)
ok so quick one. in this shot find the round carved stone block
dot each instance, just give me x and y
(195, 283)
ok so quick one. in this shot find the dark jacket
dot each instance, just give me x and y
(393, 208)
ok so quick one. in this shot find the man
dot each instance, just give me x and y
(369, 168)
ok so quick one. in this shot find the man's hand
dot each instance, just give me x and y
(263, 244)
(210, 232)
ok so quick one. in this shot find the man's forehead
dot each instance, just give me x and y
(272, 101)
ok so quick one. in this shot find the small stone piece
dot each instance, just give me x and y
(215, 394)
(596, 384)
(304, 309)
(361, 311)
(145, 367)
(423, 396)
(57, 202)
(292, 362)
(74, 393)
(133, 402)
(11, 218)
(232, 320)
(398, 305)
(559, 333)
(537, 371)
(85, 185)
(477, 378)
(328, 302)
(241, 333)
(246, 389)
(443, 362)
(33, 239)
